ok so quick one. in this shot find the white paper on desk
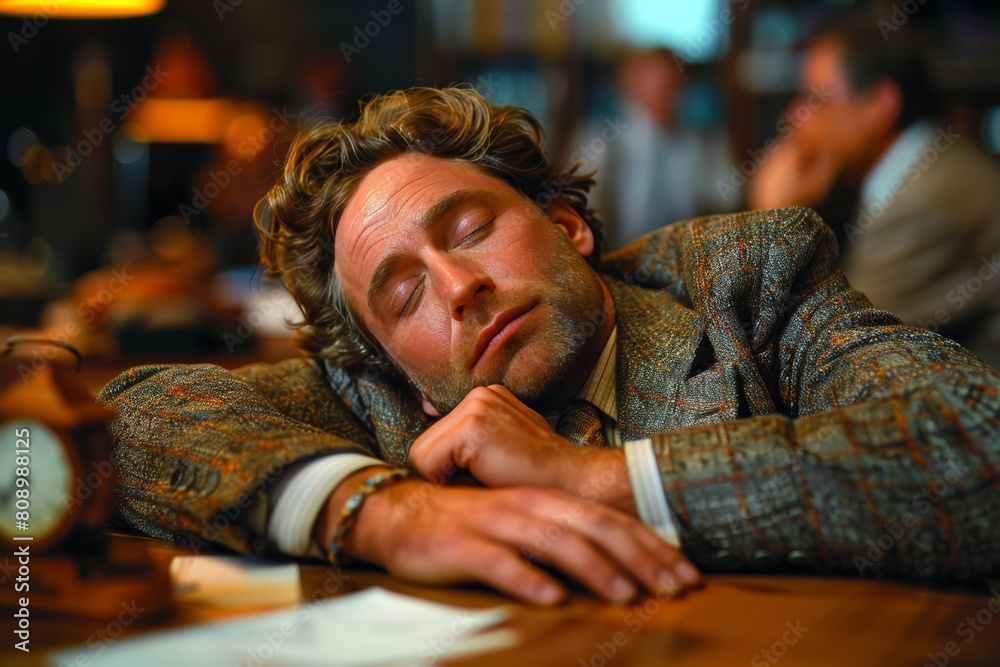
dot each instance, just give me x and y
(373, 627)
(235, 581)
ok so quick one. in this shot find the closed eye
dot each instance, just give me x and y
(411, 300)
(475, 234)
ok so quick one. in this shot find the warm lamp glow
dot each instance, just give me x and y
(186, 121)
(81, 9)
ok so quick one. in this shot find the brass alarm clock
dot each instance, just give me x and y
(57, 489)
(57, 485)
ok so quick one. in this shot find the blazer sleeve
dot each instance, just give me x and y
(194, 445)
(878, 450)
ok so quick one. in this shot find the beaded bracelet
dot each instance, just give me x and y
(349, 512)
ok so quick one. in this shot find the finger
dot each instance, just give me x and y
(452, 441)
(627, 542)
(502, 567)
(553, 541)
(464, 445)
(682, 566)
(660, 567)
(433, 453)
(576, 556)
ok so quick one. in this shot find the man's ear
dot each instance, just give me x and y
(574, 226)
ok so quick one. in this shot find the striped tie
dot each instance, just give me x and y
(581, 424)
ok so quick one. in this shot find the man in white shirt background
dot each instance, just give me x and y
(660, 169)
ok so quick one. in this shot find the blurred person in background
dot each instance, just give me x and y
(924, 234)
(653, 169)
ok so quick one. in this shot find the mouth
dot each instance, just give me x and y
(499, 330)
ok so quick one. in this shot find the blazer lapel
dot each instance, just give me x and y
(395, 417)
(657, 341)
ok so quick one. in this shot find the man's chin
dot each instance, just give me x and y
(532, 375)
(541, 379)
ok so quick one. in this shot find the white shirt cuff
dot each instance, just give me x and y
(300, 493)
(647, 487)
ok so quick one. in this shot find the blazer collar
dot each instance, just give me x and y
(395, 416)
(658, 337)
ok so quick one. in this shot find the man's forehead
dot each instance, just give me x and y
(398, 197)
(388, 188)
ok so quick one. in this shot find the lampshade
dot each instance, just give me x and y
(81, 9)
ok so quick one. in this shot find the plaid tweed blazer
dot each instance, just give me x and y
(795, 425)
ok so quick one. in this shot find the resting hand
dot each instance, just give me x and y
(435, 534)
(504, 443)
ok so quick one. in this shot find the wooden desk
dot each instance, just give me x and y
(735, 620)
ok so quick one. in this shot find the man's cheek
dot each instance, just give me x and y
(423, 350)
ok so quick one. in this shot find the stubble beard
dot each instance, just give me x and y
(546, 370)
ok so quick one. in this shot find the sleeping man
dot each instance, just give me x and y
(487, 398)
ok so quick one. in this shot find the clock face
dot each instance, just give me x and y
(36, 481)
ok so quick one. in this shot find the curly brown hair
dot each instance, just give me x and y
(298, 217)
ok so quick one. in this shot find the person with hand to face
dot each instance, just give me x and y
(925, 225)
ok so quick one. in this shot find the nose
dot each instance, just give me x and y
(461, 284)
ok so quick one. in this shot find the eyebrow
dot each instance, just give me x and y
(388, 265)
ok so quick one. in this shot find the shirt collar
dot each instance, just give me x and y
(891, 168)
(599, 388)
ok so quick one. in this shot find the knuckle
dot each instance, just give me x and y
(473, 417)
(464, 453)
(603, 522)
(475, 421)
(479, 395)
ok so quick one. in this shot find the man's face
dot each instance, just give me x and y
(464, 283)
(654, 84)
(841, 125)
